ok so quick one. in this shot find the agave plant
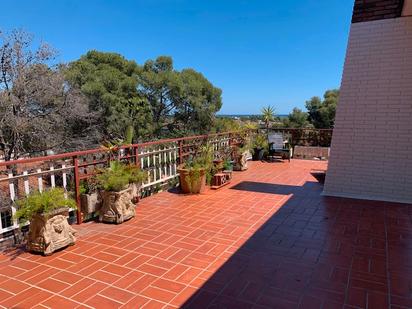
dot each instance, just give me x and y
(113, 146)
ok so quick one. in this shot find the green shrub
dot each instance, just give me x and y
(227, 165)
(118, 176)
(202, 159)
(260, 142)
(88, 186)
(42, 202)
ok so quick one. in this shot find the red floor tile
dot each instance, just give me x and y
(269, 239)
(119, 295)
(53, 285)
(98, 301)
(60, 302)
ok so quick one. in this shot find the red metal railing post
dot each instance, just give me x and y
(136, 155)
(180, 152)
(77, 189)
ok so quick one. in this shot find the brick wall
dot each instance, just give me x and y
(369, 10)
(407, 8)
(371, 153)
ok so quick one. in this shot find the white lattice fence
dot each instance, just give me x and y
(159, 160)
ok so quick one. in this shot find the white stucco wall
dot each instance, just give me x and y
(371, 153)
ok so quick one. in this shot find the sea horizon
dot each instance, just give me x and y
(245, 115)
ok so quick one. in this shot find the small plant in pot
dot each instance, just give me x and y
(194, 173)
(119, 185)
(90, 199)
(47, 212)
(260, 147)
(227, 165)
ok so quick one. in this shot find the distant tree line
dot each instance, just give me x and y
(320, 113)
(101, 96)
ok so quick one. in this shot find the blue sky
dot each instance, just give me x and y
(258, 52)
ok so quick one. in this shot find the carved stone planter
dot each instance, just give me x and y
(240, 162)
(118, 207)
(90, 203)
(50, 232)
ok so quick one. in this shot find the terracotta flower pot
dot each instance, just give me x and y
(49, 232)
(192, 181)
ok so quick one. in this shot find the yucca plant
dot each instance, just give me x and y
(44, 202)
(113, 146)
(268, 115)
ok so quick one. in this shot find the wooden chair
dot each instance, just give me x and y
(278, 146)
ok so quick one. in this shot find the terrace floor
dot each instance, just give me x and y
(268, 240)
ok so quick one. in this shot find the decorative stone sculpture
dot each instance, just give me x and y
(50, 232)
(118, 206)
(241, 162)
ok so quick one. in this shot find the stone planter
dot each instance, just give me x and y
(240, 162)
(118, 207)
(90, 203)
(190, 182)
(50, 232)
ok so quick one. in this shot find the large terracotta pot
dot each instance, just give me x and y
(50, 232)
(192, 181)
(118, 207)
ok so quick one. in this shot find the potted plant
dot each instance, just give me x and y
(119, 185)
(47, 212)
(260, 147)
(227, 165)
(194, 173)
(90, 200)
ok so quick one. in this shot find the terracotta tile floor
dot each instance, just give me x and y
(268, 240)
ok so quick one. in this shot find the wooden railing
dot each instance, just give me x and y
(159, 159)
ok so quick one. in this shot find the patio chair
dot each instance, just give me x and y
(278, 146)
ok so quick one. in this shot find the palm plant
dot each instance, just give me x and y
(268, 115)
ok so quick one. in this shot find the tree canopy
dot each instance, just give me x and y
(111, 84)
(38, 110)
(181, 102)
(322, 113)
(297, 119)
(155, 99)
